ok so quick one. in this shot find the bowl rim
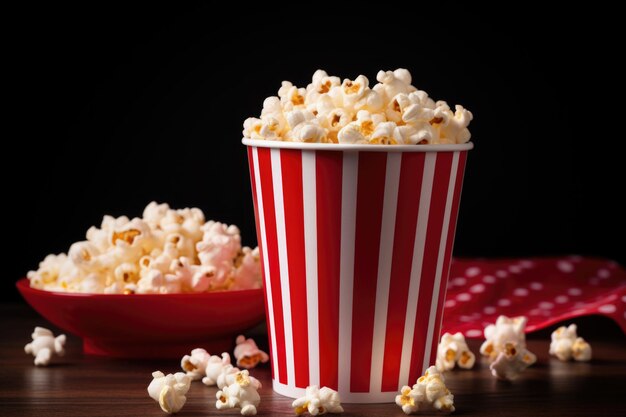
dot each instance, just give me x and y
(23, 286)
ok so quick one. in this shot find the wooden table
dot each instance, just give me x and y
(80, 385)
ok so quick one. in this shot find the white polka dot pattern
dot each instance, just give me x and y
(544, 289)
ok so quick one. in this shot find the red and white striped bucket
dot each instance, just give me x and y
(355, 246)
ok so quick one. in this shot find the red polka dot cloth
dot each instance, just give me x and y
(546, 290)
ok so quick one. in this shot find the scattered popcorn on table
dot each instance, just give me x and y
(428, 394)
(214, 368)
(240, 394)
(318, 401)
(169, 391)
(511, 361)
(228, 375)
(44, 344)
(350, 112)
(566, 344)
(506, 330)
(166, 251)
(453, 350)
(195, 364)
(248, 354)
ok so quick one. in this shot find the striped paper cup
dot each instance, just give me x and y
(356, 243)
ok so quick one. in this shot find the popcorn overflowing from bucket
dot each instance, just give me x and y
(329, 110)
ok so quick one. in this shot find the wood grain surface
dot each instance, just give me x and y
(78, 385)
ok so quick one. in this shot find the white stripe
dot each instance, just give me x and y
(440, 259)
(385, 254)
(346, 279)
(310, 249)
(266, 267)
(281, 237)
(416, 268)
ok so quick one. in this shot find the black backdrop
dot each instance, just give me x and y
(129, 105)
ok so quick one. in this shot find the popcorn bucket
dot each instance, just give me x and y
(356, 243)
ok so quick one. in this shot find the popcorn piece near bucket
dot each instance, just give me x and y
(195, 364)
(228, 377)
(242, 393)
(318, 401)
(44, 345)
(505, 330)
(169, 391)
(511, 361)
(566, 344)
(248, 354)
(429, 393)
(214, 368)
(452, 351)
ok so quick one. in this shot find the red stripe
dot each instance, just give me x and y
(265, 171)
(429, 265)
(291, 163)
(328, 166)
(369, 209)
(458, 186)
(411, 172)
(259, 242)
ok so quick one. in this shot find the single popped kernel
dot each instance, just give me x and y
(228, 375)
(248, 354)
(428, 394)
(214, 368)
(452, 351)
(44, 345)
(505, 330)
(511, 361)
(240, 394)
(566, 344)
(318, 401)
(169, 391)
(195, 364)
(326, 112)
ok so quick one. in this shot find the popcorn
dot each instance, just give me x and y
(247, 273)
(248, 354)
(155, 282)
(169, 391)
(241, 394)
(219, 247)
(318, 401)
(214, 368)
(195, 364)
(167, 251)
(505, 330)
(228, 375)
(327, 112)
(320, 85)
(428, 394)
(44, 344)
(511, 361)
(566, 344)
(48, 271)
(453, 350)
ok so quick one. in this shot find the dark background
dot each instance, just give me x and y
(119, 106)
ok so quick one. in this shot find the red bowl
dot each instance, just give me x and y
(149, 325)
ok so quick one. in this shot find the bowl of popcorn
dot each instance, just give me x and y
(152, 286)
